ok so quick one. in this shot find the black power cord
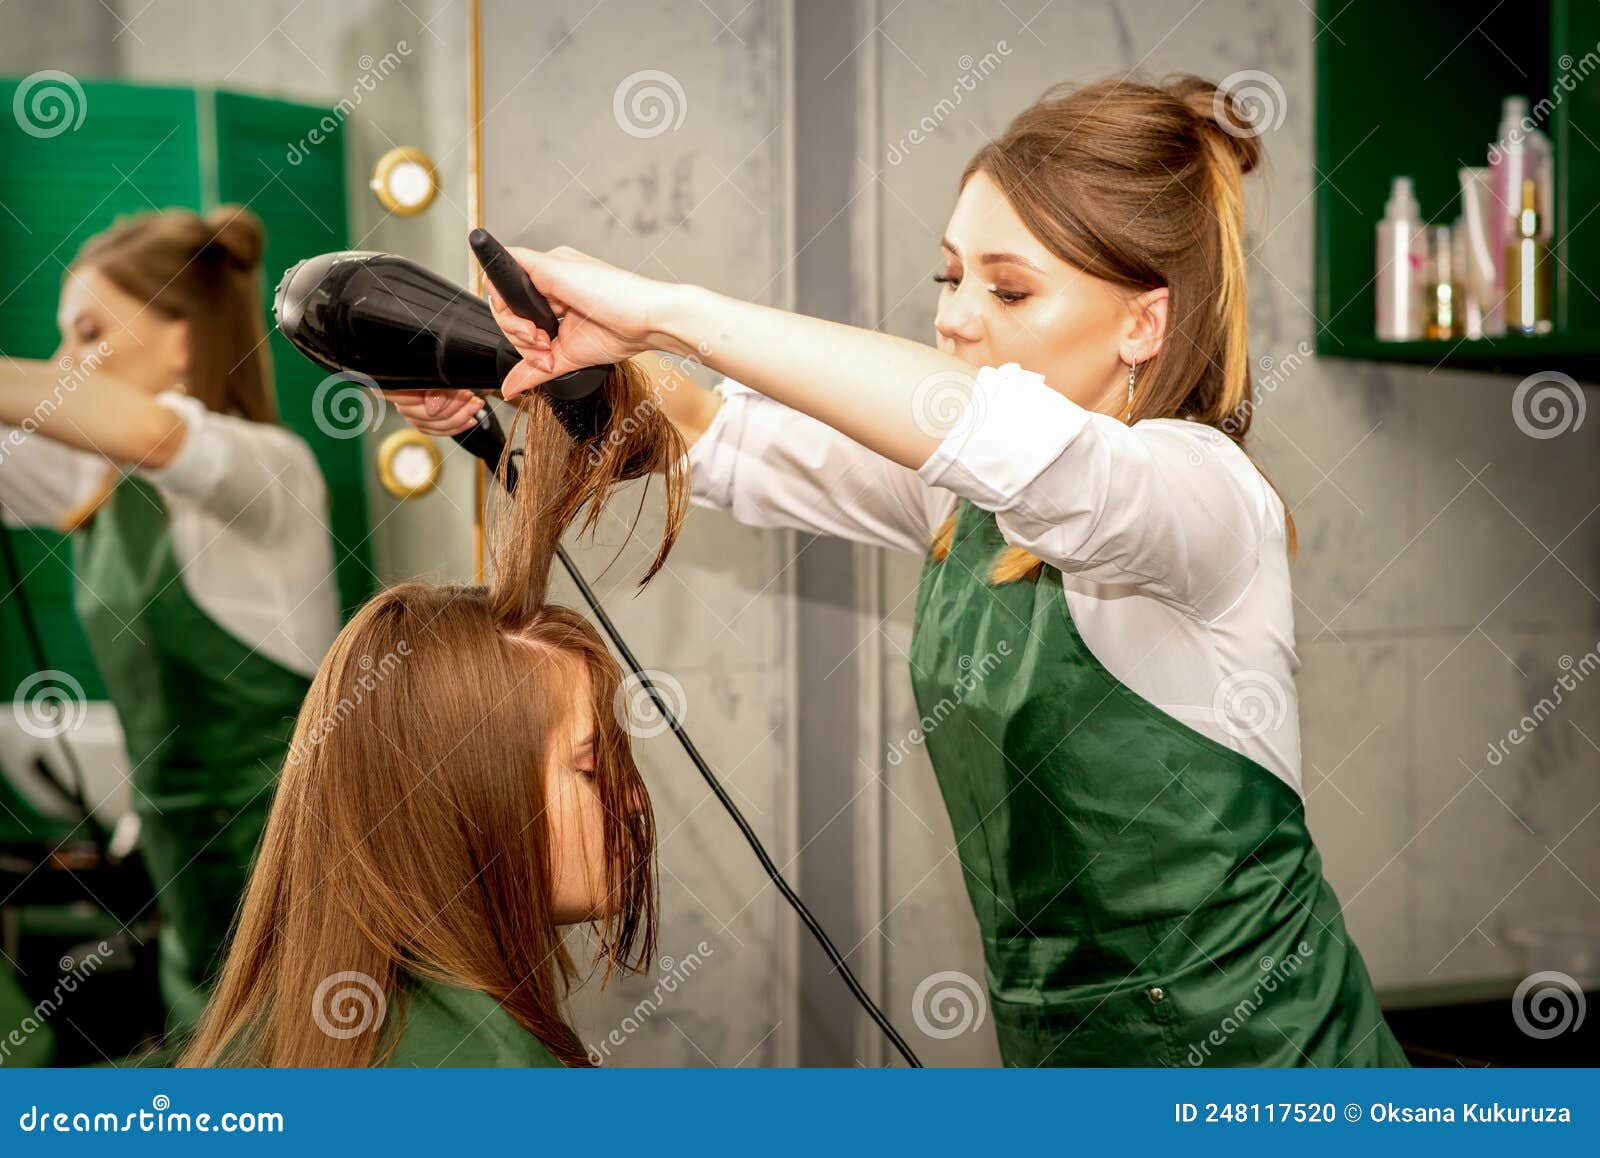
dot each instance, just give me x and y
(75, 793)
(486, 440)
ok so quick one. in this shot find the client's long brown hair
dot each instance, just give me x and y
(409, 832)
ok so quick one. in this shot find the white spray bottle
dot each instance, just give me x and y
(1400, 263)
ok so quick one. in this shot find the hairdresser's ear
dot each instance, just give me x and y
(1147, 325)
(175, 350)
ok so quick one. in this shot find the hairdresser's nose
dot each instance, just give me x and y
(957, 323)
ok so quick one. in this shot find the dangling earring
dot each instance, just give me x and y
(1132, 366)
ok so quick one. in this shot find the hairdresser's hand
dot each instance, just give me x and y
(438, 412)
(607, 315)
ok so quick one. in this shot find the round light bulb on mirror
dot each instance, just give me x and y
(405, 181)
(408, 464)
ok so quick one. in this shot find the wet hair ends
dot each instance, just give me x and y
(563, 482)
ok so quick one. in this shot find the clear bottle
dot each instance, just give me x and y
(1479, 259)
(1442, 294)
(1520, 152)
(1527, 266)
(1400, 262)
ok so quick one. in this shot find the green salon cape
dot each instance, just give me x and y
(447, 1026)
(207, 721)
(1147, 896)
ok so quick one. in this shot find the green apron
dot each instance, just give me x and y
(207, 722)
(444, 1025)
(1147, 896)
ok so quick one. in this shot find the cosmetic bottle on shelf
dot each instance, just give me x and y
(1477, 261)
(1520, 153)
(1442, 317)
(1527, 266)
(1400, 259)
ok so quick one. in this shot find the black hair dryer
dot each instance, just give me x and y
(389, 322)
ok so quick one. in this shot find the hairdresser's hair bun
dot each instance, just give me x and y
(237, 234)
(1221, 113)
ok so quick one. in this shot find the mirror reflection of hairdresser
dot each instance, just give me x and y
(1106, 587)
(203, 564)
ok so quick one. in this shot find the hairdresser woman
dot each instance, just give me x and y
(201, 554)
(1069, 457)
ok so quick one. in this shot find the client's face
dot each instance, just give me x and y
(576, 817)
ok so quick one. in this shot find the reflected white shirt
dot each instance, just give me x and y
(1171, 545)
(247, 512)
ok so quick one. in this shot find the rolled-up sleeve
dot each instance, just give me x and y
(239, 472)
(41, 480)
(1169, 506)
(771, 466)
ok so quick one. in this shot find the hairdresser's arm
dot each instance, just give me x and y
(867, 385)
(95, 411)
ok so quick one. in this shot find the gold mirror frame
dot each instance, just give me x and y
(384, 170)
(395, 445)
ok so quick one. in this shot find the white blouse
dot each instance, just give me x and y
(1171, 544)
(247, 512)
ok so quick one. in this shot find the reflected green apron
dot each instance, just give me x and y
(444, 1025)
(1147, 896)
(207, 722)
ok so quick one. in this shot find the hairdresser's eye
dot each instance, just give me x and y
(948, 279)
(1009, 297)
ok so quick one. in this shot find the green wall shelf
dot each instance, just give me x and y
(1415, 89)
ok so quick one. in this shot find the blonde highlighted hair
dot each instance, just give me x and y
(1141, 185)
